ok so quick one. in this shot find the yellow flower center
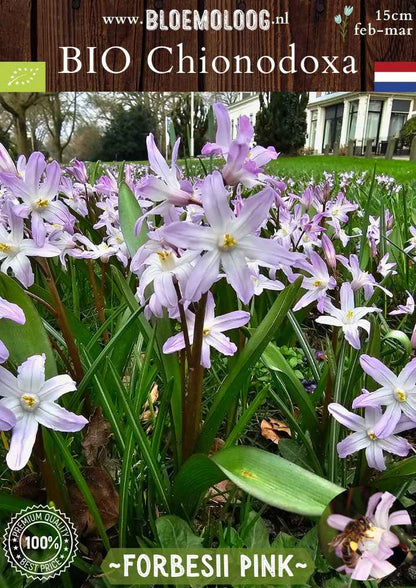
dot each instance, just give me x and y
(4, 248)
(29, 401)
(401, 396)
(41, 203)
(206, 332)
(317, 283)
(372, 436)
(228, 241)
(164, 255)
(350, 314)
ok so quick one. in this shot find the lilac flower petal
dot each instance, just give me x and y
(378, 371)
(347, 297)
(374, 456)
(381, 514)
(395, 445)
(222, 117)
(388, 422)
(307, 299)
(352, 444)
(238, 274)
(346, 418)
(191, 236)
(38, 229)
(22, 441)
(254, 212)
(372, 504)
(11, 311)
(205, 354)
(231, 320)
(35, 167)
(352, 335)
(55, 417)
(215, 202)
(203, 275)
(362, 570)
(267, 252)
(380, 397)
(7, 419)
(221, 343)
(4, 352)
(8, 384)
(156, 160)
(409, 411)
(407, 376)
(31, 374)
(53, 175)
(400, 517)
(20, 266)
(55, 387)
(338, 522)
(245, 130)
(175, 343)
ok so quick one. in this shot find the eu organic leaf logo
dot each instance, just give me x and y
(22, 76)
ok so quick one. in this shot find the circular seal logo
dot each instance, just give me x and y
(40, 542)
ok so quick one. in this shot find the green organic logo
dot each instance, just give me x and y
(22, 76)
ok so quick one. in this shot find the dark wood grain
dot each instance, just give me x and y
(382, 48)
(35, 29)
(59, 24)
(16, 30)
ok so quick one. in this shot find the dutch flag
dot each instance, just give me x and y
(395, 76)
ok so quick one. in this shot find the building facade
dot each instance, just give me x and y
(338, 118)
(334, 119)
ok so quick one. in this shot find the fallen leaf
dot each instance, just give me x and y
(30, 487)
(96, 437)
(274, 430)
(216, 446)
(106, 498)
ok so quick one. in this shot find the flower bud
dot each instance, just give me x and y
(329, 251)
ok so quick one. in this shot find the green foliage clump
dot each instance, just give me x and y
(281, 121)
(125, 138)
(408, 132)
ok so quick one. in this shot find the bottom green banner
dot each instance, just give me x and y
(198, 567)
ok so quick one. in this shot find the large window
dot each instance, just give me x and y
(352, 120)
(399, 114)
(314, 123)
(333, 125)
(373, 121)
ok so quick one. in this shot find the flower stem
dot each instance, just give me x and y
(62, 319)
(193, 396)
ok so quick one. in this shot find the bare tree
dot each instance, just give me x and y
(18, 104)
(60, 113)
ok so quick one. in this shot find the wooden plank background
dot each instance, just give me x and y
(32, 30)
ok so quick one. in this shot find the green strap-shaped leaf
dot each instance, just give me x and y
(245, 361)
(130, 211)
(274, 360)
(276, 481)
(22, 341)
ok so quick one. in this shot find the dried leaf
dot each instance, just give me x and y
(96, 437)
(274, 430)
(106, 498)
(30, 487)
(217, 445)
(220, 493)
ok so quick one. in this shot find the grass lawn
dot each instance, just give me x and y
(402, 171)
